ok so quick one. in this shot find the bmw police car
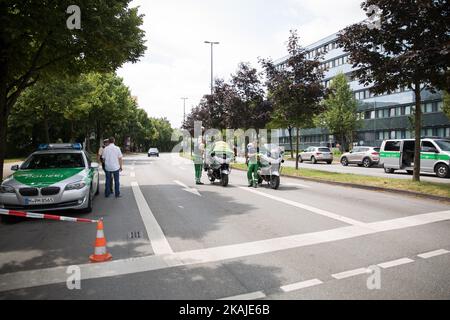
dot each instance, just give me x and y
(56, 177)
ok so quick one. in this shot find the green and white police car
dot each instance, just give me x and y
(399, 155)
(56, 177)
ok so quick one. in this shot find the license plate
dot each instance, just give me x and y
(39, 201)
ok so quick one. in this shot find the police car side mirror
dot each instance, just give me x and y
(15, 168)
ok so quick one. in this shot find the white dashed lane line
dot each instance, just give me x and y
(395, 263)
(350, 273)
(433, 254)
(301, 285)
(338, 276)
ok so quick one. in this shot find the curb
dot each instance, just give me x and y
(371, 188)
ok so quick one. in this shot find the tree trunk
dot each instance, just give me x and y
(297, 148)
(418, 132)
(4, 112)
(46, 131)
(72, 132)
(3, 134)
(290, 142)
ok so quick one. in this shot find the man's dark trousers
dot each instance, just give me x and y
(108, 187)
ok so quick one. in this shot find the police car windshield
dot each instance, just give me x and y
(54, 161)
(443, 144)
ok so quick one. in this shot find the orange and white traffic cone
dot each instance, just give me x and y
(100, 253)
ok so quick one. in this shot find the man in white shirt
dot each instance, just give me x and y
(113, 166)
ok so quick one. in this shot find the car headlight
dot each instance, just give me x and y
(7, 189)
(76, 185)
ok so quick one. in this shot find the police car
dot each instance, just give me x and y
(56, 177)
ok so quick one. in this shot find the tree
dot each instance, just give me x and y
(410, 49)
(74, 108)
(35, 43)
(296, 88)
(341, 114)
(247, 111)
(447, 104)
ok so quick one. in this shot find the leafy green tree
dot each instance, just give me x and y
(76, 108)
(409, 49)
(447, 104)
(35, 43)
(248, 110)
(341, 111)
(296, 88)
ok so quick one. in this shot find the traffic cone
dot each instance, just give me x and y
(100, 254)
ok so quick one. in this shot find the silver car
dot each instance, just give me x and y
(362, 156)
(56, 177)
(316, 154)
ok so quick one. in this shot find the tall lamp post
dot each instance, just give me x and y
(212, 43)
(184, 109)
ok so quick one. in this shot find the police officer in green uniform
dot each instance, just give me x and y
(252, 162)
(199, 151)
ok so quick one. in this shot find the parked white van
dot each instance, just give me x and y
(399, 155)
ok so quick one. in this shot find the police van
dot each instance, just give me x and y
(399, 155)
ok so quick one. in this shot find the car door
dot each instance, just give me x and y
(362, 152)
(307, 154)
(93, 173)
(392, 154)
(428, 156)
(352, 155)
(311, 153)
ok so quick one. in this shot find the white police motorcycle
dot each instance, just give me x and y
(270, 160)
(217, 164)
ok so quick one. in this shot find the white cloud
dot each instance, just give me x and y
(177, 62)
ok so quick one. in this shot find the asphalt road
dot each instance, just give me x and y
(304, 241)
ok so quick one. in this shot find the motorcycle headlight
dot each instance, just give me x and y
(7, 189)
(76, 185)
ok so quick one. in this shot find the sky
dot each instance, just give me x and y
(177, 61)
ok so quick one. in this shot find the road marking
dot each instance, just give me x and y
(133, 174)
(308, 208)
(395, 263)
(350, 273)
(247, 296)
(296, 185)
(432, 254)
(41, 277)
(157, 238)
(301, 285)
(186, 188)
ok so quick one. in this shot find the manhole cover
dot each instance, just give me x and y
(135, 235)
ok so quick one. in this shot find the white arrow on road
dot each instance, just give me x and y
(186, 188)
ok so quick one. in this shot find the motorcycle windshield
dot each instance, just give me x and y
(222, 148)
(271, 151)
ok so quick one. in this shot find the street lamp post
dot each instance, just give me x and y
(184, 109)
(212, 63)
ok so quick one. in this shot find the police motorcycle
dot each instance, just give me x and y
(217, 163)
(270, 160)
